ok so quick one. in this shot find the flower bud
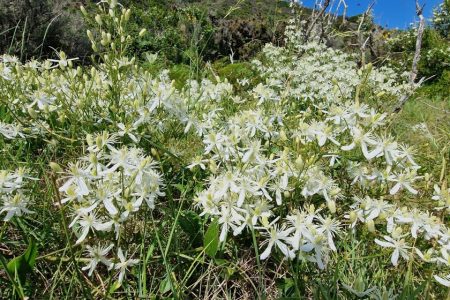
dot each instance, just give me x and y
(127, 15)
(371, 225)
(89, 139)
(32, 112)
(353, 216)
(397, 232)
(98, 19)
(381, 94)
(93, 158)
(265, 221)
(283, 136)
(90, 35)
(212, 166)
(142, 32)
(83, 10)
(332, 206)
(46, 109)
(55, 167)
(99, 141)
(113, 3)
(299, 161)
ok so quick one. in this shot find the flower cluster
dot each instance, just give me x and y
(306, 139)
(14, 199)
(104, 190)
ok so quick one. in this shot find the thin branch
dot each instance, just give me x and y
(314, 20)
(416, 59)
(414, 71)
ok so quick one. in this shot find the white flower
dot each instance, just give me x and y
(198, 161)
(301, 222)
(445, 281)
(213, 142)
(97, 254)
(403, 180)
(399, 245)
(364, 140)
(124, 264)
(318, 243)
(278, 237)
(89, 222)
(230, 217)
(77, 177)
(245, 187)
(127, 130)
(10, 131)
(14, 206)
(329, 227)
(428, 256)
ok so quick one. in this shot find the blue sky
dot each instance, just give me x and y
(388, 13)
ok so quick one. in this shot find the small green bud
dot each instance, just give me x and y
(55, 167)
(142, 32)
(332, 206)
(98, 19)
(32, 112)
(83, 10)
(353, 216)
(371, 226)
(127, 15)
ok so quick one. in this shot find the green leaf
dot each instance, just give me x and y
(165, 285)
(180, 187)
(190, 223)
(23, 264)
(211, 240)
(114, 287)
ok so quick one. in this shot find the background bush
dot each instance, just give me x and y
(33, 28)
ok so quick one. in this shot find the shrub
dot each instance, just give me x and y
(35, 28)
(296, 174)
(435, 52)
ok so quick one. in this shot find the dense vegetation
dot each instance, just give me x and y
(202, 149)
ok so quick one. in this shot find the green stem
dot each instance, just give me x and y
(258, 263)
(16, 286)
(66, 232)
(163, 253)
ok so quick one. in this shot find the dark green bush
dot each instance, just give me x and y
(180, 73)
(173, 31)
(435, 53)
(236, 71)
(35, 28)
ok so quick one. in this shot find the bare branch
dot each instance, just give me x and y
(361, 41)
(416, 59)
(414, 70)
(315, 19)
